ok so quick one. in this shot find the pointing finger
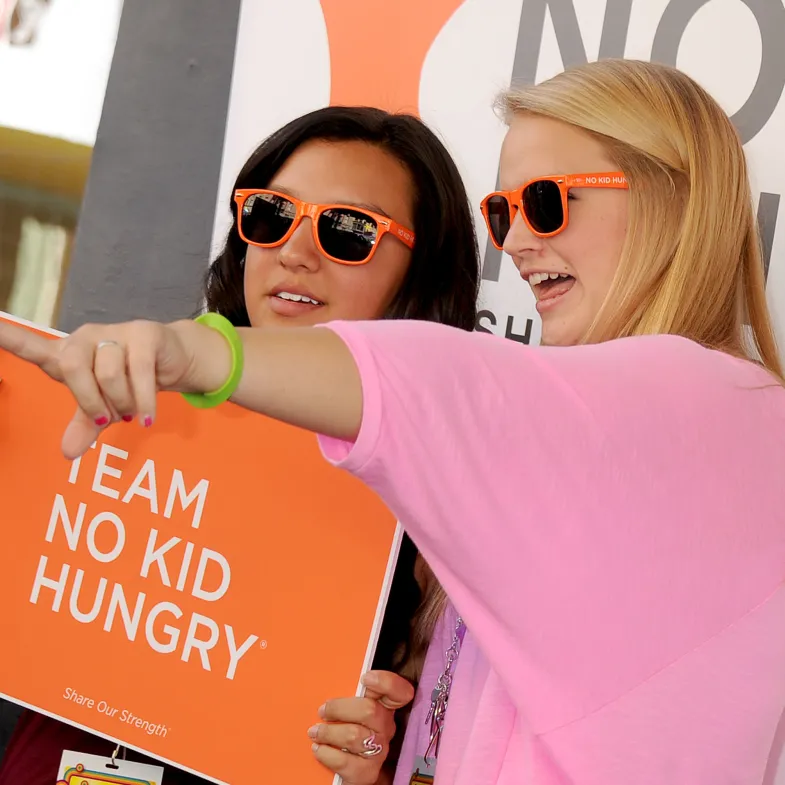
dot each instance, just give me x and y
(30, 347)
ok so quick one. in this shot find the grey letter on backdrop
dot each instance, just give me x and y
(768, 210)
(763, 100)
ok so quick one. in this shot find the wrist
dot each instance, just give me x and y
(210, 357)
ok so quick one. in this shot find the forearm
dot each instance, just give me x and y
(303, 376)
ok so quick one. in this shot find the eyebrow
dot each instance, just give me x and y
(374, 208)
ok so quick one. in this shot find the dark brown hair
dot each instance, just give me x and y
(443, 278)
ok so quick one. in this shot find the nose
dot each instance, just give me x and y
(520, 240)
(300, 251)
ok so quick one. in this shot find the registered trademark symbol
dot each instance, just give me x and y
(263, 644)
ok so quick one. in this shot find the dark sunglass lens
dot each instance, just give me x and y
(348, 235)
(498, 218)
(543, 206)
(266, 218)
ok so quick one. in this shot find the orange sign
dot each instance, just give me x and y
(195, 590)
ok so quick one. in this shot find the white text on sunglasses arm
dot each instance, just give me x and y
(302, 376)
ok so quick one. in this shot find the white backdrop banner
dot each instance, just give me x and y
(447, 60)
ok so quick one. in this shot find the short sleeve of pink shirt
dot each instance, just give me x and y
(600, 516)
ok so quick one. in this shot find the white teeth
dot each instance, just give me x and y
(538, 278)
(297, 298)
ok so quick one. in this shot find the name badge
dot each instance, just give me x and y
(76, 768)
(424, 771)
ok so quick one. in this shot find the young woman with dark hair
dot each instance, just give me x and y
(312, 210)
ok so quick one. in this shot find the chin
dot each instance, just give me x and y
(559, 336)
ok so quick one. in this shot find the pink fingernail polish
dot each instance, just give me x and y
(313, 732)
(128, 417)
(148, 421)
(101, 421)
(322, 710)
(315, 747)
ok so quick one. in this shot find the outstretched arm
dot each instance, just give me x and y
(551, 490)
(305, 377)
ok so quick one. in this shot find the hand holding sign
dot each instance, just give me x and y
(114, 371)
(354, 742)
(152, 557)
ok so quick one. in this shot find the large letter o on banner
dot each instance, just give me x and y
(770, 16)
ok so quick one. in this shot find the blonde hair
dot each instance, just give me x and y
(691, 264)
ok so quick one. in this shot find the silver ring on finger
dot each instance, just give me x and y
(101, 344)
(370, 747)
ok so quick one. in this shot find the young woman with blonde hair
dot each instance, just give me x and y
(605, 511)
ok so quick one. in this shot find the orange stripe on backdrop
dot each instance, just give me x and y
(377, 49)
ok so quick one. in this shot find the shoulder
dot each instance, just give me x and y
(647, 368)
(655, 362)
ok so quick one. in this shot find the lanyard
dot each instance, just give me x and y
(441, 692)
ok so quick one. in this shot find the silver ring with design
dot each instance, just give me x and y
(370, 747)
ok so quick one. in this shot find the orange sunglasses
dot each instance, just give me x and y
(342, 233)
(542, 203)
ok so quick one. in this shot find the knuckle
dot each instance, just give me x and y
(140, 327)
(369, 709)
(69, 360)
(144, 332)
(355, 735)
(107, 374)
(84, 331)
(391, 728)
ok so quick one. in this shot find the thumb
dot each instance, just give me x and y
(390, 689)
(386, 700)
(79, 435)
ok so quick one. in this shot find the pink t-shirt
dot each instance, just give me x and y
(609, 521)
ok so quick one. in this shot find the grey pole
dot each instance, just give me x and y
(144, 232)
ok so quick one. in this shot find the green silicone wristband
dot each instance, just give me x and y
(222, 325)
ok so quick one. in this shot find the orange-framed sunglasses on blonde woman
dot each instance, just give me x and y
(542, 202)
